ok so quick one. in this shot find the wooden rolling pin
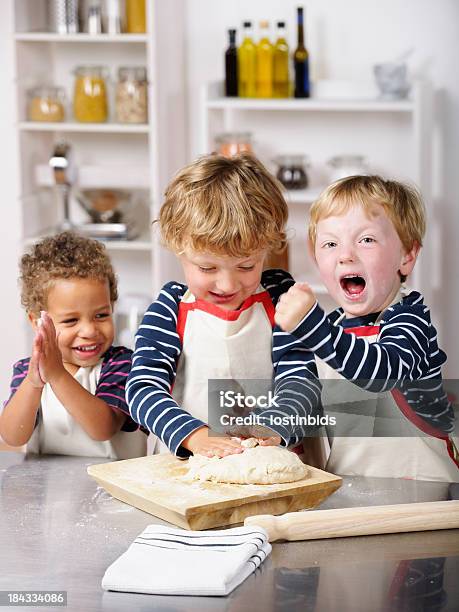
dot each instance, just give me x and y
(343, 522)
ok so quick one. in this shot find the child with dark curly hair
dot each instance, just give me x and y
(68, 397)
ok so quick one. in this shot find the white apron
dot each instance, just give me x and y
(218, 343)
(418, 457)
(57, 432)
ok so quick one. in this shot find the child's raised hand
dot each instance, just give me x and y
(50, 363)
(33, 375)
(202, 442)
(294, 305)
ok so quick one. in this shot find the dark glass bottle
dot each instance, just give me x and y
(231, 65)
(301, 61)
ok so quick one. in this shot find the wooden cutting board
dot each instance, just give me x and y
(156, 485)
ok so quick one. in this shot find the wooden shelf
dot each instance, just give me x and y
(80, 38)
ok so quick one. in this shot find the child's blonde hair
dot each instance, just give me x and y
(225, 206)
(401, 202)
(63, 256)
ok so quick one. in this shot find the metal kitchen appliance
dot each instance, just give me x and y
(107, 208)
(63, 169)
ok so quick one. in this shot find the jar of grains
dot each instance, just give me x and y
(46, 104)
(233, 143)
(131, 99)
(90, 96)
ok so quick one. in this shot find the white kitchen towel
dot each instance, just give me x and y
(170, 561)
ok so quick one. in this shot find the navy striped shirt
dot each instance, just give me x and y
(154, 367)
(405, 356)
(116, 363)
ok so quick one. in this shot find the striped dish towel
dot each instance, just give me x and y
(169, 561)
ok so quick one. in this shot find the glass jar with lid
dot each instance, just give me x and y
(90, 103)
(136, 16)
(347, 165)
(131, 98)
(232, 143)
(292, 171)
(46, 104)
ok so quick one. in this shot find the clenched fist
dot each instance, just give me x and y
(294, 305)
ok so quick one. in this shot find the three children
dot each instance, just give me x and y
(68, 396)
(221, 217)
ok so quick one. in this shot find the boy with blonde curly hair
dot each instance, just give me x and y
(365, 233)
(68, 397)
(220, 217)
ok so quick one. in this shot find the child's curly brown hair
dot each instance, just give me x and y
(63, 256)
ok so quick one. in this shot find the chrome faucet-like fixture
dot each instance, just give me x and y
(63, 169)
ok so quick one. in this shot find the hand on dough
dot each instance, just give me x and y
(263, 435)
(206, 442)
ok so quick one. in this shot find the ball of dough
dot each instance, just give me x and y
(259, 465)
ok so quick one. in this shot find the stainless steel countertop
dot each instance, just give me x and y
(60, 531)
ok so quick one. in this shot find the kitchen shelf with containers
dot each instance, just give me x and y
(118, 157)
(81, 37)
(87, 108)
(84, 93)
(325, 138)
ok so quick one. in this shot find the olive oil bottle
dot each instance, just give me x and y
(264, 63)
(247, 63)
(281, 85)
(301, 61)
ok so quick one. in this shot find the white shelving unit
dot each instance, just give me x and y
(139, 158)
(394, 136)
(94, 128)
(80, 37)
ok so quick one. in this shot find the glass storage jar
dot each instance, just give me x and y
(292, 171)
(232, 143)
(46, 104)
(90, 96)
(131, 99)
(347, 165)
(135, 16)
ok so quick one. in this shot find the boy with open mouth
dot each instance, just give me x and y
(365, 233)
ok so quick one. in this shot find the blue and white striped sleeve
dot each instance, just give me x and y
(297, 389)
(154, 367)
(401, 352)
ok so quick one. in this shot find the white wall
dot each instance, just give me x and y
(345, 39)
(12, 341)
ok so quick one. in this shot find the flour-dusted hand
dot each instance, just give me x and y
(205, 442)
(294, 305)
(50, 364)
(263, 435)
